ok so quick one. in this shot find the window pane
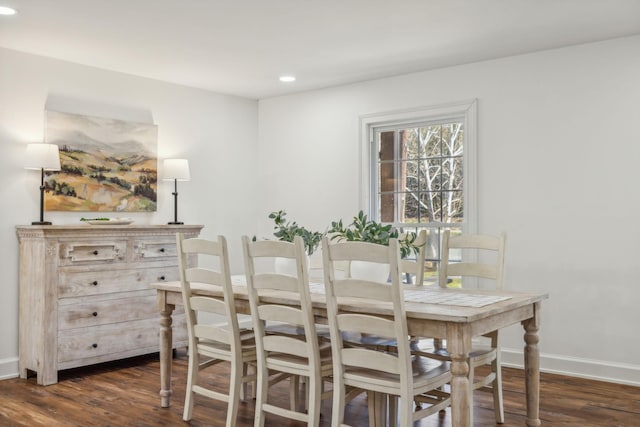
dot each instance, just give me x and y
(451, 177)
(413, 177)
(420, 181)
(451, 138)
(453, 207)
(410, 144)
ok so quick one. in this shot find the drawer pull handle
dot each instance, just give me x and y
(95, 252)
(162, 278)
(95, 314)
(161, 249)
(94, 345)
(94, 283)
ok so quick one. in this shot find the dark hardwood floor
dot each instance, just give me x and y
(125, 393)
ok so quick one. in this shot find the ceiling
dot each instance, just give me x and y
(240, 47)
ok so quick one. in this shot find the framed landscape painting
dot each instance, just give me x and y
(107, 165)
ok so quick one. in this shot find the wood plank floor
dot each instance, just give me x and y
(125, 393)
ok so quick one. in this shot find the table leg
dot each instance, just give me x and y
(532, 367)
(166, 353)
(458, 344)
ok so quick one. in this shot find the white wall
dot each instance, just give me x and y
(559, 144)
(217, 133)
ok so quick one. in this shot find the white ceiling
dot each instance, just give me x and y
(240, 47)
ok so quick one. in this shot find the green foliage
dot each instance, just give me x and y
(364, 230)
(287, 230)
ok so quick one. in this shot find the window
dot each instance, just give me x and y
(419, 172)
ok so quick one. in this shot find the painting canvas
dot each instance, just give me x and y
(107, 165)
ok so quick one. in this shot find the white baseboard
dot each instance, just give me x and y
(620, 373)
(8, 368)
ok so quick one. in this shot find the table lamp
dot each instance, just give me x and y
(176, 170)
(43, 157)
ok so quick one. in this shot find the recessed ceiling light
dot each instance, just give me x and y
(4, 10)
(287, 79)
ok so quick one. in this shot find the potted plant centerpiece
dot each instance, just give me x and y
(286, 230)
(364, 230)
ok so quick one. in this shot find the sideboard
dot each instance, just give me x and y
(85, 295)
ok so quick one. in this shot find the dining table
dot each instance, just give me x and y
(456, 315)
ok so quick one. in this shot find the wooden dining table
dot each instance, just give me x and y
(456, 315)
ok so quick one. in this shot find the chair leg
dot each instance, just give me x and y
(235, 385)
(379, 413)
(337, 412)
(314, 390)
(244, 389)
(392, 410)
(371, 408)
(262, 389)
(294, 388)
(192, 376)
(405, 408)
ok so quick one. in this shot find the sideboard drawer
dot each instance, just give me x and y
(100, 340)
(92, 252)
(73, 283)
(104, 312)
(153, 250)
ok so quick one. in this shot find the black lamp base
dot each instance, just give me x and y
(175, 223)
(41, 223)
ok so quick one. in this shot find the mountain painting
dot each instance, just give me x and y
(107, 165)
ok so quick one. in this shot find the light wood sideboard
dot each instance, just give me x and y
(85, 295)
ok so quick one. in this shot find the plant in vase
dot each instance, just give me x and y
(286, 230)
(364, 230)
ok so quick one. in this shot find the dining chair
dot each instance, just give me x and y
(381, 373)
(301, 355)
(490, 266)
(212, 342)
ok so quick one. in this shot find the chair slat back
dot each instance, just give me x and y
(341, 294)
(217, 280)
(494, 245)
(265, 288)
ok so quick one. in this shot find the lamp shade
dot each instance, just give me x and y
(42, 156)
(177, 169)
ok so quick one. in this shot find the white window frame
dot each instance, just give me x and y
(464, 111)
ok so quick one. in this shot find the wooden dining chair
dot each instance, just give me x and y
(490, 266)
(301, 355)
(381, 373)
(211, 343)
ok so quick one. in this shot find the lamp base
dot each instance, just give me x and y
(175, 223)
(41, 223)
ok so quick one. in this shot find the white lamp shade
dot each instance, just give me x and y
(42, 156)
(177, 169)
